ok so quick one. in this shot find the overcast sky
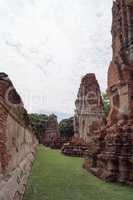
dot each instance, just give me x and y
(46, 46)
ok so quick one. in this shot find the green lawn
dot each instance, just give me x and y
(56, 177)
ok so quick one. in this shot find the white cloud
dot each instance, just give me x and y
(47, 46)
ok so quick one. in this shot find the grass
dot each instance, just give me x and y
(56, 177)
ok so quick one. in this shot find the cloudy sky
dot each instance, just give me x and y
(46, 46)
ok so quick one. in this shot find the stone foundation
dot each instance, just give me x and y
(58, 143)
(76, 147)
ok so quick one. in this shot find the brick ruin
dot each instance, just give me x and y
(114, 161)
(51, 136)
(75, 147)
(17, 142)
(107, 146)
(52, 130)
(88, 119)
(89, 115)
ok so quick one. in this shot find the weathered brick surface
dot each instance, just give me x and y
(89, 114)
(75, 147)
(51, 134)
(17, 143)
(115, 159)
(88, 120)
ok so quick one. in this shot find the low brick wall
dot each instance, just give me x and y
(17, 143)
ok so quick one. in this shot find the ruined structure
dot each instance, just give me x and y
(118, 152)
(52, 131)
(89, 114)
(17, 142)
(115, 159)
(89, 117)
(75, 147)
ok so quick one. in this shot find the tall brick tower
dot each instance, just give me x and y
(120, 74)
(89, 114)
(116, 159)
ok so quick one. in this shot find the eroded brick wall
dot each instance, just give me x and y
(17, 144)
(114, 161)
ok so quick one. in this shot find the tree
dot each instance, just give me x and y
(66, 128)
(39, 124)
(106, 102)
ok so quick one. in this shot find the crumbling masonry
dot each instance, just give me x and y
(89, 118)
(114, 161)
(17, 142)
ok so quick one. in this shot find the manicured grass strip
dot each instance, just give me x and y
(56, 177)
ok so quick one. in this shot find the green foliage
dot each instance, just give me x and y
(106, 103)
(66, 128)
(39, 123)
(58, 177)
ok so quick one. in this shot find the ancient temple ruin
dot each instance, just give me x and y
(52, 130)
(115, 158)
(89, 115)
(17, 142)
